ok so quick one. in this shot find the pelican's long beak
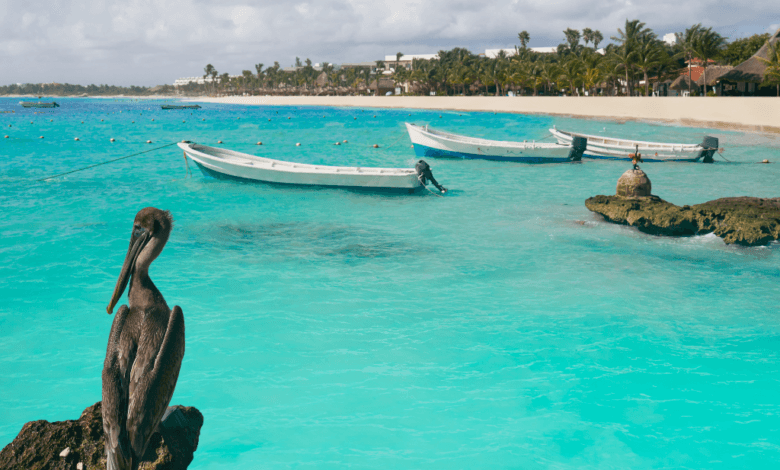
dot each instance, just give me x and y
(127, 269)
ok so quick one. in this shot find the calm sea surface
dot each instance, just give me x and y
(502, 326)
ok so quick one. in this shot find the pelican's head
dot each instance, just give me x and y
(151, 229)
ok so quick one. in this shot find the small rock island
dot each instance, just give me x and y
(746, 221)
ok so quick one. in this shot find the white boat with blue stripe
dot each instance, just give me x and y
(611, 148)
(434, 143)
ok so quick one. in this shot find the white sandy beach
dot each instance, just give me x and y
(733, 113)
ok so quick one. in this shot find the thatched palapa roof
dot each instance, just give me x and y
(683, 82)
(752, 70)
(714, 73)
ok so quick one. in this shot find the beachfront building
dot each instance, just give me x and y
(493, 53)
(406, 60)
(198, 80)
(745, 79)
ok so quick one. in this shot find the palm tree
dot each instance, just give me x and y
(212, 72)
(587, 35)
(687, 41)
(772, 72)
(596, 38)
(524, 38)
(570, 73)
(633, 34)
(649, 55)
(398, 56)
(573, 38)
(708, 45)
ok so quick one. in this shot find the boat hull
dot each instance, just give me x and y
(606, 148)
(39, 105)
(438, 144)
(249, 168)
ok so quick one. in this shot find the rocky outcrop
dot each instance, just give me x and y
(746, 221)
(78, 444)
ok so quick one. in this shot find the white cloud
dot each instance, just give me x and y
(155, 41)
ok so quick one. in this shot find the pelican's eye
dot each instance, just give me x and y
(138, 231)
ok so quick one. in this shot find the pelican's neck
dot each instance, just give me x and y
(143, 293)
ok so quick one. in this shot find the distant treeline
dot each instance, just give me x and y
(67, 89)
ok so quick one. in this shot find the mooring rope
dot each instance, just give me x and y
(102, 163)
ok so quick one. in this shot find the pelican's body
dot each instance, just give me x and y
(145, 348)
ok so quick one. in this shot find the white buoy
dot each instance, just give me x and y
(219, 141)
(298, 144)
(259, 143)
(76, 139)
(345, 141)
(41, 137)
(337, 143)
(376, 146)
(148, 141)
(112, 139)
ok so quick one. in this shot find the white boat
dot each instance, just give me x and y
(229, 164)
(619, 149)
(433, 143)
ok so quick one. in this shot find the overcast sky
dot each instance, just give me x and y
(151, 42)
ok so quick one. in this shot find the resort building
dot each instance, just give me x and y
(745, 79)
(406, 60)
(670, 39)
(198, 80)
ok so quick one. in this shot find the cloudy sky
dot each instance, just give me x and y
(150, 42)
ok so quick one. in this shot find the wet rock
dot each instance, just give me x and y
(61, 445)
(746, 221)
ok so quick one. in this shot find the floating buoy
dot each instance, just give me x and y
(269, 119)
(183, 141)
(152, 119)
(76, 139)
(763, 161)
(337, 143)
(31, 122)
(132, 122)
(204, 119)
(345, 141)
(112, 139)
(298, 144)
(148, 141)
(184, 121)
(439, 116)
(51, 120)
(101, 120)
(411, 146)
(219, 141)
(41, 137)
(9, 125)
(376, 146)
(6, 137)
(238, 118)
(288, 117)
(374, 115)
(355, 118)
(259, 143)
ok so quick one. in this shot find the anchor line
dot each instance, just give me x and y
(102, 163)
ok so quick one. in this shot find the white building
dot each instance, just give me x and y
(493, 53)
(406, 59)
(197, 80)
(670, 39)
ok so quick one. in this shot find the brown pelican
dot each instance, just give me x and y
(145, 348)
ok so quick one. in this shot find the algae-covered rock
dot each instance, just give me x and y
(746, 221)
(41, 445)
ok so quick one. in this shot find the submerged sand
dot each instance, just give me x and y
(731, 113)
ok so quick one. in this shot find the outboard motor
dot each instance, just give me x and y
(710, 146)
(424, 174)
(578, 145)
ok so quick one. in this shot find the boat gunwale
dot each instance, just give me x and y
(683, 148)
(292, 167)
(462, 139)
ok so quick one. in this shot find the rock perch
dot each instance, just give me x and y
(41, 445)
(746, 221)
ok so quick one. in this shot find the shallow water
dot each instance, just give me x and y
(501, 326)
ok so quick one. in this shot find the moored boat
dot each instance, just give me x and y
(229, 164)
(183, 106)
(611, 148)
(434, 143)
(38, 104)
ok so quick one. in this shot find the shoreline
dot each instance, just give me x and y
(751, 114)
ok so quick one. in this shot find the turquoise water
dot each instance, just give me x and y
(501, 326)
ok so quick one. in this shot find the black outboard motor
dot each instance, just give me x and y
(578, 145)
(710, 145)
(424, 174)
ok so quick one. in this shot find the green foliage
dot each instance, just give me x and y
(741, 50)
(772, 72)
